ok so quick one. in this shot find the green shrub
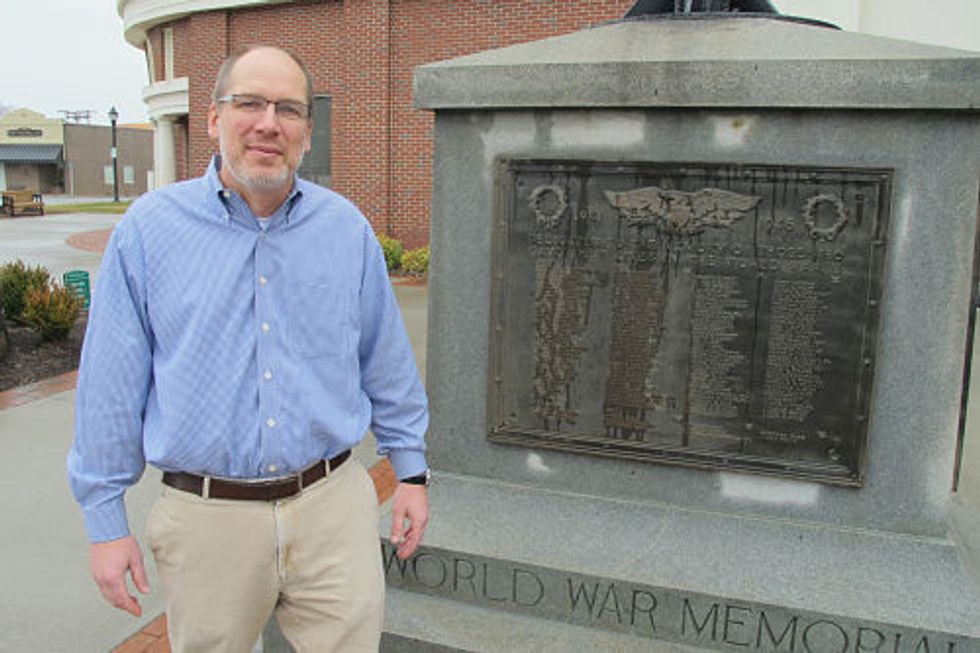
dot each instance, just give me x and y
(16, 279)
(51, 310)
(416, 261)
(393, 249)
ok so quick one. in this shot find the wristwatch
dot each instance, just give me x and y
(422, 479)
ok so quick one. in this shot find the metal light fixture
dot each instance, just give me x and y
(113, 117)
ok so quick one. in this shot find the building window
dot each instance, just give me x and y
(151, 69)
(168, 52)
(129, 177)
(316, 163)
(107, 175)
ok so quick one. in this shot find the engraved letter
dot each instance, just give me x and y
(790, 629)
(823, 649)
(611, 592)
(860, 645)
(699, 627)
(458, 574)
(531, 577)
(388, 552)
(729, 621)
(575, 594)
(635, 607)
(437, 563)
(486, 585)
(923, 645)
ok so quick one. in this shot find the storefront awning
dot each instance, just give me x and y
(30, 153)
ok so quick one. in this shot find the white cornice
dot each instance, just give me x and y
(169, 98)
(140, 15)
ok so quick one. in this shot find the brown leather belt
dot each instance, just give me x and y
(273, 489)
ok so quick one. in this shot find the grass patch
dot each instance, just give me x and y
(88, 207)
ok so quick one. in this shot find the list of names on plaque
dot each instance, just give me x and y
(794, 364)
(716, 390)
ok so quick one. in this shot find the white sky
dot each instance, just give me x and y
(73, 56)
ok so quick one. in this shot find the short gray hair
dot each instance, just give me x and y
(221, 81)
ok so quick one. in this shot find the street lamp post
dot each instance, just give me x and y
(113, 116)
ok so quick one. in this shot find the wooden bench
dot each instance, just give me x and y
(22, 201)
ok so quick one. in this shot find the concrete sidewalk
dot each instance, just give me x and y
(50, 602)
(41, 241)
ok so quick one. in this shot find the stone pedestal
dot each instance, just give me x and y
(537, 540)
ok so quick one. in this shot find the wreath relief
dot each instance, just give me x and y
(831, 231)
(548, 203)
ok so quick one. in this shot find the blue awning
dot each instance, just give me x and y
(30, 153)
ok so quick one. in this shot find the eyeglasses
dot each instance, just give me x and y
(256, 104)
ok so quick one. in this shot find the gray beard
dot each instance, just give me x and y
(257, 182)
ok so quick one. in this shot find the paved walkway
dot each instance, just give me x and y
(42, 241)
(49, 602)
(46, 572)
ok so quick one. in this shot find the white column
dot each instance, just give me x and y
(164, 154)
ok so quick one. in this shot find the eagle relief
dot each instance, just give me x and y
(681, 213)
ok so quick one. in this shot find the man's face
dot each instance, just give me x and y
(261, 151)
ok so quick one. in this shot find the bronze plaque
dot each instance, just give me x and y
(701, 314)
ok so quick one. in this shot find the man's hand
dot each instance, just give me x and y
(109, 562)
(411, 503)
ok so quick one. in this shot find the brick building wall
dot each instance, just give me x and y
(362, 54)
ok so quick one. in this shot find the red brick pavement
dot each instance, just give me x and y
(90, 241)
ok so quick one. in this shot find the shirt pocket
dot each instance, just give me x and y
(318, 319)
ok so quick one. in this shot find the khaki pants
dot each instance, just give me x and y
(313, 560)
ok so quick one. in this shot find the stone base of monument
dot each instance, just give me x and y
(507, 567)
(700, 304)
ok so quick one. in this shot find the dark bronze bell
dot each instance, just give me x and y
(653, 7)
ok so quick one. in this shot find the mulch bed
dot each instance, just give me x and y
(29, 359)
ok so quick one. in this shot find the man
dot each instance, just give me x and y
(243, 337)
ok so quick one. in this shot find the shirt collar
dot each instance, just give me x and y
(233, 203)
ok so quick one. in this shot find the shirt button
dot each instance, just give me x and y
(272, 468)
(262, 281)
(265, 326)
(270, 422)
(267, 376)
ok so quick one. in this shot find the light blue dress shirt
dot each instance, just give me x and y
(219, 347)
